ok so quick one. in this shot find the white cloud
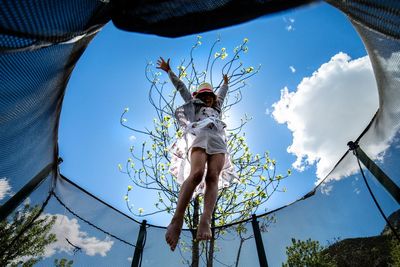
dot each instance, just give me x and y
(5, 188)
(326, 188)
(290, 28)
(292, 69)
(132, 138)
(289, 24)
(327, 110)
(65, 228)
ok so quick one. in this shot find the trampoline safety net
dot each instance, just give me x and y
(48, 220)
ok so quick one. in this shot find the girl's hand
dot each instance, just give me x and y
(226, 78)
(162, 64)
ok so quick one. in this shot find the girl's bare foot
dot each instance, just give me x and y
(173, 232)
(204, 230)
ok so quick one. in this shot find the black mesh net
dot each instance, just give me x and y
(341, 217)
(49, 21)
(31, 90)
(88, 232)
(60, 223)
(177, 18)
(229, 248)
(384, 53)
(38, 53)
(24, 230)
(381, 16)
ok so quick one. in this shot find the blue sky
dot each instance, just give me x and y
(110, 76)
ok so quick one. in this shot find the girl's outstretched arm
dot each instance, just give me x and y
(179, 85)
(223, 90)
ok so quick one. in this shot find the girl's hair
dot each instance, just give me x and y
(214, 104)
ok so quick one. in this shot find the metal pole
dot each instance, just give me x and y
(136, 262)
(259, 243)
(25, 191)
(385, 180)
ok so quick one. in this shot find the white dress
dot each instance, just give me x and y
(208, 133)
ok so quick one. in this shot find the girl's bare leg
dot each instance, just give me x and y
(197, 166)
(215, 164)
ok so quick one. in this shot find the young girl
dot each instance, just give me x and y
(200, 160)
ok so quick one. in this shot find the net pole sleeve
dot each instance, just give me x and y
(140, 242)
(383, 179)
(259, 243)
